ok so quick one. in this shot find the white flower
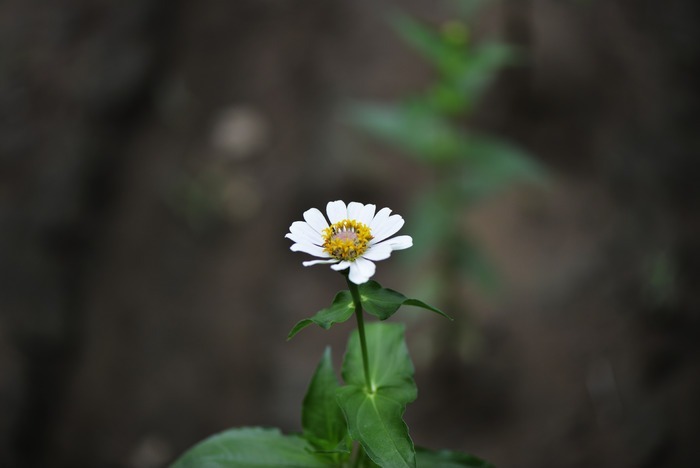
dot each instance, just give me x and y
(354, 239)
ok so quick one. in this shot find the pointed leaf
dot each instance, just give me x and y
(375, 420)
(340, 310)
(389, 362)
(448, 459)
(383, 303)
(375, 414)
(321, 418)
(252, 447)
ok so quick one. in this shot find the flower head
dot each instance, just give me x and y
(354, 239)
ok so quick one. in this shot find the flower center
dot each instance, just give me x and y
(346, 239)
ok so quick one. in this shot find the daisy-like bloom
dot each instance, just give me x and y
(355, 238)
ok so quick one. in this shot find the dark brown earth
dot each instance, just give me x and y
(153, 155)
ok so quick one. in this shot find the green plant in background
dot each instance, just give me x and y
(358, 423)
(468, 166)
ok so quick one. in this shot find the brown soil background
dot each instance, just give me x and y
(146, 289)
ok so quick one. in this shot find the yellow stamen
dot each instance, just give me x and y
(346, 239)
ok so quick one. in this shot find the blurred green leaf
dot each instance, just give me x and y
(445, 54)
(322, 420)
(490, 163)
(447, 99)
(465, 68)
(340, 310)
(375, 415)
(425, 136)
(455, 32)
(252, 447)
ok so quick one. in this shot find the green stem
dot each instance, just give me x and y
(361, 330)
(359, 457)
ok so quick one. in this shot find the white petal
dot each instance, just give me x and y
(336, 211)
(397, 243)
(367, 214)
(341, 266)
(298, 239)
(365, 266)
(355, 210)
(316, 220)
(311, 249)
(390, 227)
(316, 262)
(378, 252)
(379, 219)
(361, 270)
(303, 230)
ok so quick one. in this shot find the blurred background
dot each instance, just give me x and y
(543, 152)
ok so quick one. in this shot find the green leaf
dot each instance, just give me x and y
(468, 68)
(252, 447)
(383, 303)
(413, 128)
(321, 418)
(446, 99)
(448, 459)
(389, 361)
(340, 310)
(375, 414)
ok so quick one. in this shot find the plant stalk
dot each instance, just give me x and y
(355, 292)
(360, 456)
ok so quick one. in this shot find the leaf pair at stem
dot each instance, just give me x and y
(376, 300)
(378, 383)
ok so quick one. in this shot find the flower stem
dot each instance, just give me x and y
(360, 457)
(361, 330)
